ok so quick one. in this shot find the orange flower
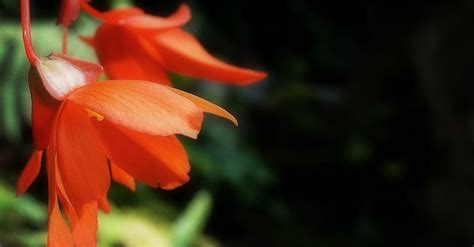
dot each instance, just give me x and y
(133, 45)
(92, 129)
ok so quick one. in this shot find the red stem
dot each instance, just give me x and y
(65, 32)
(33, 58)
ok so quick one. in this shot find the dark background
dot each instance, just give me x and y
(362, 135)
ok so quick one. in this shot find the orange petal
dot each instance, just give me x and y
(43, 111)
(72, 208)
(207, 106)
(85, 229)
(82, 216)
(121, 176)
(182, 53)
(155, 160)
(30, 172)
(58, 232)
(81, 162)
(142, 106)
(51, 171)
(104, 204)
(124, 57)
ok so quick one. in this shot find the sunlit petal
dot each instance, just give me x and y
(142, 106)
(207, 106)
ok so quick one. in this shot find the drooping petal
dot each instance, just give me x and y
(85, 229)
(81, 161)
(124, 57)
(183, 54)
(159, 161)
(43, 111)
(58, 232)
(30, 172)
(82, 216)
(142, 106)
(207, 106)
(51, 171)
(121, 176)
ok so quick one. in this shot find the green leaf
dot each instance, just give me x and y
(191, 223)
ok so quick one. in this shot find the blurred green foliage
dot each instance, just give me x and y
(192, 221)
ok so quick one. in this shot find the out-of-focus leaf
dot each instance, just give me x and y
(33, 239)
(191, 223)
(24, 206)
(139, 227)
(116, 4)
(222, 158)
(131, 228)
(11, 116)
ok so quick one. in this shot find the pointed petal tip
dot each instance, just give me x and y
(184, 10)
(236, 123)
(88, 40)
(104, 205)
(174, 185)
(261, 75)
(122, 177)
(183, 54)
(253, 77)
(206, 106)
(29, 173)
(228, 116)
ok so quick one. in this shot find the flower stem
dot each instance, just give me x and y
(33, 58)
(65, 33)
